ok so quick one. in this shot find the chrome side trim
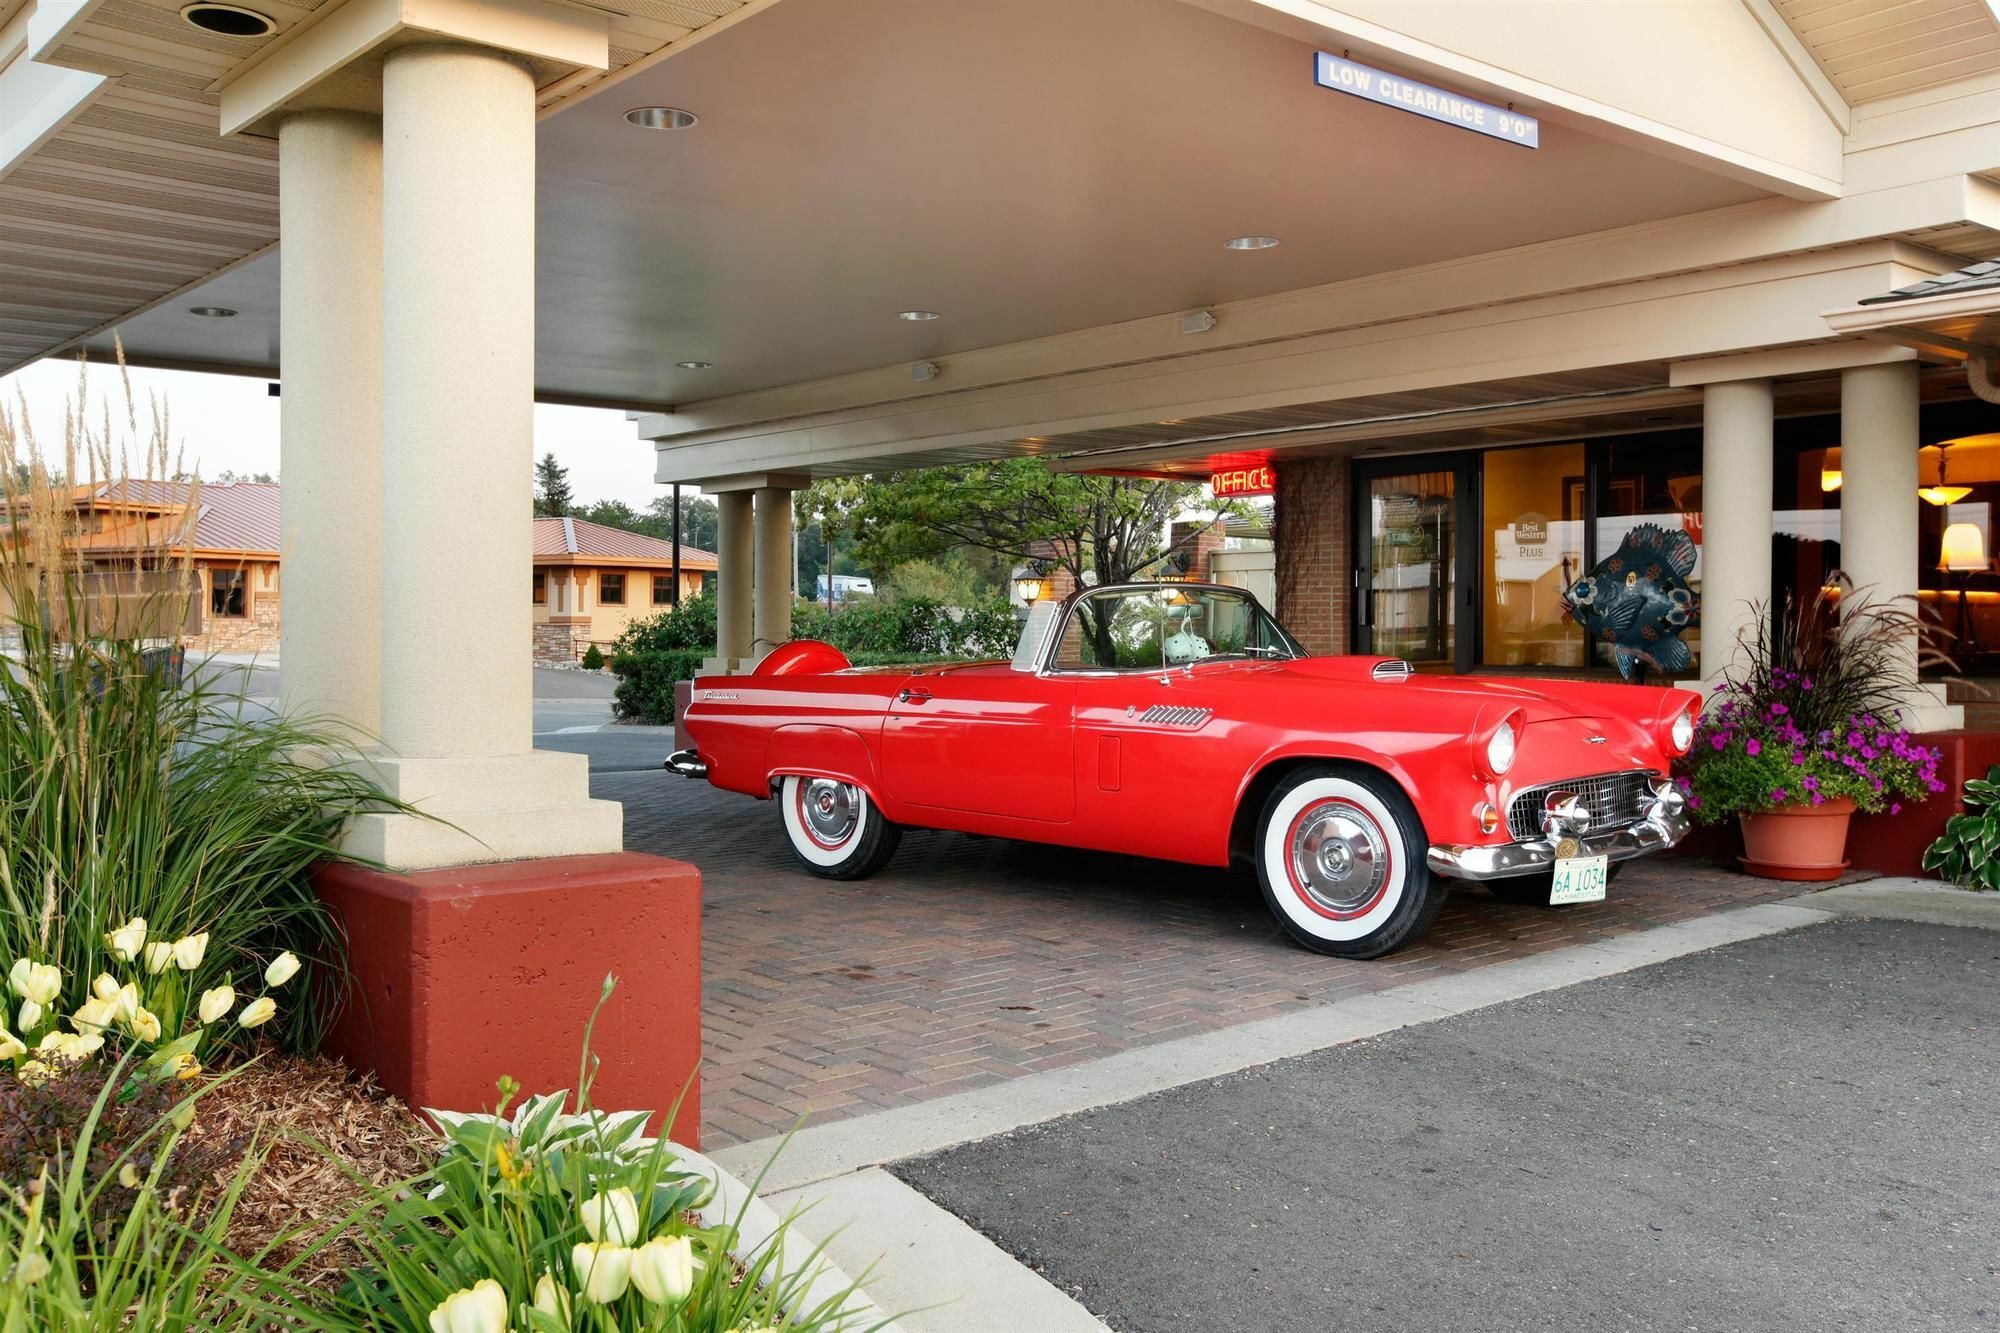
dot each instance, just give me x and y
(1171, 715)
(1665, 824)
(687, 763)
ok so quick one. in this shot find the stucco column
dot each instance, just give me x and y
(773, 568)
(1878, 467)
(1736, 464)
(732, 576)
(330, 415)
(458, 333)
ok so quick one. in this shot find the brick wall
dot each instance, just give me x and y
(1314, 560)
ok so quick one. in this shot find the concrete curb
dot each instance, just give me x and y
(926, 1262)
(758, 1228)
(824, 1152)
(1902, 899)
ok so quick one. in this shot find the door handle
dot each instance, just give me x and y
(917, 696)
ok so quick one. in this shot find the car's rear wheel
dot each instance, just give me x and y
(1534, 890)
(1340, 857)
(835, 830)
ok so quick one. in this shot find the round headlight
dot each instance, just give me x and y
(1500, 749)
(1682, 735)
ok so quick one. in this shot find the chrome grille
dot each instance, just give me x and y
(1615, 800)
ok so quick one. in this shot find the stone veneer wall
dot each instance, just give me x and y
(1315, 567)
(255, 633)
(560, 641)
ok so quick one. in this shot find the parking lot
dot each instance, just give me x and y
(971, 961)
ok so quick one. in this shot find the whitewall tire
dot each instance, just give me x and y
(834, 829)
(1340, 858)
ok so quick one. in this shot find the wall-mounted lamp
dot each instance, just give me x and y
(1028, 588)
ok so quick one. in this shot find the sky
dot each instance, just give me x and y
(229, 423)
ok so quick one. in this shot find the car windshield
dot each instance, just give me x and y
(1136, 629)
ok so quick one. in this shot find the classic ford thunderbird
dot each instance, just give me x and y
(1180, 721)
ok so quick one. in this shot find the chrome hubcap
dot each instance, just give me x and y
(1338, 858)
(831, 809)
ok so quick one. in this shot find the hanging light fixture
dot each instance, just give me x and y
(1942, 494)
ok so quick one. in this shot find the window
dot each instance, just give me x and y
(663, 590)
(228, 593)
(541, 588)
(1656, 479)
(611, 589)
(1148, 628)
(1533, 552)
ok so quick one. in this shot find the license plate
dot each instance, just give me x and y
(1579, 879)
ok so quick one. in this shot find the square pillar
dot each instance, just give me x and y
(330, 416)
(773, 562)
(458, 281)
(733, 555)
(1736, 468)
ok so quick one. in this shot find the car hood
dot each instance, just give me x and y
(1539, 701)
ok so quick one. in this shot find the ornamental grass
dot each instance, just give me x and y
(157, 827)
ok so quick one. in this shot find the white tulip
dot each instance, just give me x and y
(127, 1000)
(126, 941)
(105, 986)
(95, 1015)
(72, 1045)
(604, 1270)
(159, 957)
(282, 969)
(145, 1025)
(40, 982)
(258, 1012)
(188, 951)
(480, 1308)
(663, 1269)
(31, 1015)
(551, 1299)
(215, 1003)
(612, 1217)
(11, 1046)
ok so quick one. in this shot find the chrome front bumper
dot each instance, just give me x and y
(1664, 824)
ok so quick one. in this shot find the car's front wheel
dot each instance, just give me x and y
(835, 830)
(1340, 857)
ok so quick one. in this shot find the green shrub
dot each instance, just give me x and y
(593, 659)
(689, 626)
(645, 690)
(1968, 851)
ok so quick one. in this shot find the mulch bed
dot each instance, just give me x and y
(288, 1104)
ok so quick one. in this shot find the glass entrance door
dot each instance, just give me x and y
(1413, 589)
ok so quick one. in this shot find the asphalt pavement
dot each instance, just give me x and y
(572, 713)
(1800, 1132)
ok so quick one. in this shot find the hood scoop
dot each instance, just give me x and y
(1394, 668)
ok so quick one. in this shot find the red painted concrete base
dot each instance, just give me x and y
(464, 974)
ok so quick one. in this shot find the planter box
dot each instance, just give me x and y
(463, 974)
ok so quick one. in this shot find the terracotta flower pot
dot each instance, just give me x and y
(1807, 842)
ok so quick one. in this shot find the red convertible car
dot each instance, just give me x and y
(1180, 721)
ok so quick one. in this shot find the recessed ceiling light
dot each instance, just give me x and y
(661, 118)
(212, 311)
(228, 20)
(695, 365)
(917, 315)
(1249, 242)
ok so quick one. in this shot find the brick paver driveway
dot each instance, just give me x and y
(971, 960)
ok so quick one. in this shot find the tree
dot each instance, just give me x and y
(699, 520)
(553, 498)
(617, 514)
(1114, 527)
